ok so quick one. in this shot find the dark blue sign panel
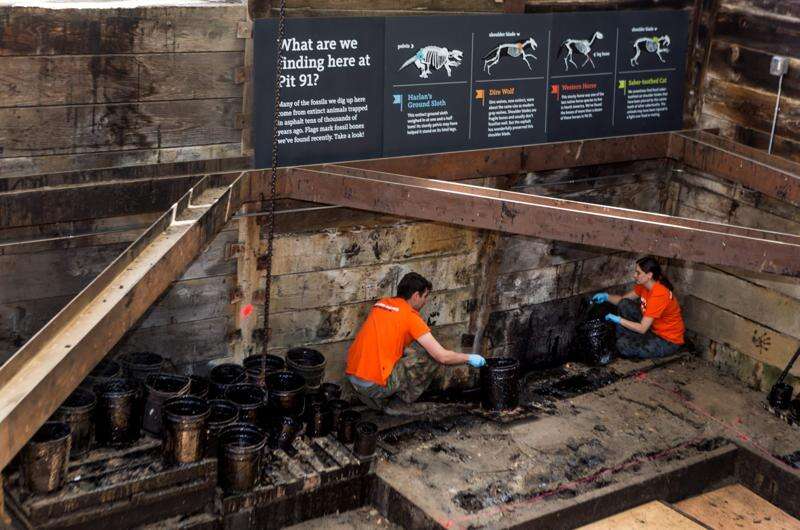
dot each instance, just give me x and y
(358, 88)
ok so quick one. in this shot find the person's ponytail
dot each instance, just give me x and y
(649, 264)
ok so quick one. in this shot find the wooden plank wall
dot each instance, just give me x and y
(90, 88)
(748, 324)
(738, 92)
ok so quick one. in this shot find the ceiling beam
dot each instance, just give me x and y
(41, 374)
(548, 218)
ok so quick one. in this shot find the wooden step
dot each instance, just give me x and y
(654, 515)
(737, 507)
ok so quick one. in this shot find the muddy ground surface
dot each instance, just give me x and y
(583, 429)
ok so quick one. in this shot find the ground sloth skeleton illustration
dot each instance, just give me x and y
(434, 57)
(522, 48)
(657, 45)
(582, 46)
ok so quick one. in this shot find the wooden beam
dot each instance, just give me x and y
(41, 374)
(548, 218)
(759, 171)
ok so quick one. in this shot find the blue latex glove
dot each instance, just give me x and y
(599, 298)
(611, 317)
(476, 361)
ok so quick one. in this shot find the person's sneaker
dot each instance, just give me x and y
(397, 407)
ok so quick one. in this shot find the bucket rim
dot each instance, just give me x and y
(186, 418)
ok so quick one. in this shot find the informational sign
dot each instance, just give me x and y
(359, 88)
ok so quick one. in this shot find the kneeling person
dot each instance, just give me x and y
(385, 371)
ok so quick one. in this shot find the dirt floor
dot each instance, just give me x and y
(589, 429)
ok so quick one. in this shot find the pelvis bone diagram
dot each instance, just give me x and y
(436, 57)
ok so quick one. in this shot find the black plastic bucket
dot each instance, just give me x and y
(249, 398)
(794, 410)
(308, 363)
(138, 365)
(224, 375)
(184, 438)
(199, 386)
(366, 439)
(346, 431)
(318, 418)
(337, 406)
(780, 395)
(331, 391)
(285, 393)
(597, 341)
(159, 388)
(102, 372)
(500, 383)
(222, 414)
(77, 411)
(240, 448)
(45, 458)
(286, 429)
(119, 414)
(258, 366)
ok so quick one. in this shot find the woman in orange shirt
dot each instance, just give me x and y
(649, 324)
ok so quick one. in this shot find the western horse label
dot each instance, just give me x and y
(359, 88)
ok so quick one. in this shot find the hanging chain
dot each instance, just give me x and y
(273, 178)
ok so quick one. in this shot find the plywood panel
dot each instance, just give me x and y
(17, 167)
(735, 507)
(360, 284)
(36, 131)
(751, 107)
(341, 322)
(361, 245)
(754, 302)
(68, 80)
(757, 341)
(37, 31)
(651, 516)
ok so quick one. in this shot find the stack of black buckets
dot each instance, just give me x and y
(238, 414)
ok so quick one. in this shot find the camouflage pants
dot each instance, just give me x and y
(633, 345)
(411, 376)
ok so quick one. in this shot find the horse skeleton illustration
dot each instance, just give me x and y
(657, 45)
(582, 46)
(523, 48)
(434, 57)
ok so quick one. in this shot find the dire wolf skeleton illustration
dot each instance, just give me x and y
(522, 48)
(657, 45)
(434, 57)
(582, 46)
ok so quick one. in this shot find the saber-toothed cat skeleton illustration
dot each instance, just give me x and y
(657, 45)
(522, 48)
(434, 57)
(582, 46)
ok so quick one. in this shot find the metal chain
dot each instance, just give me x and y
(273, 178)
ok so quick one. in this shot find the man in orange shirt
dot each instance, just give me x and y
(653, 327)
(385, 372)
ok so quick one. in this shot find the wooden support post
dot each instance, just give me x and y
(247, 283)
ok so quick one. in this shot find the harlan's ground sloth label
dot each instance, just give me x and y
(359, 88)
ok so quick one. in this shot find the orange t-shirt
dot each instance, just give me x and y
(392, 325)
(663, 308)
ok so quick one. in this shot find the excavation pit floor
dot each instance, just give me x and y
(596, 430)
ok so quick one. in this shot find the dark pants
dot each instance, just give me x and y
(411, 376)
(633, 345)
